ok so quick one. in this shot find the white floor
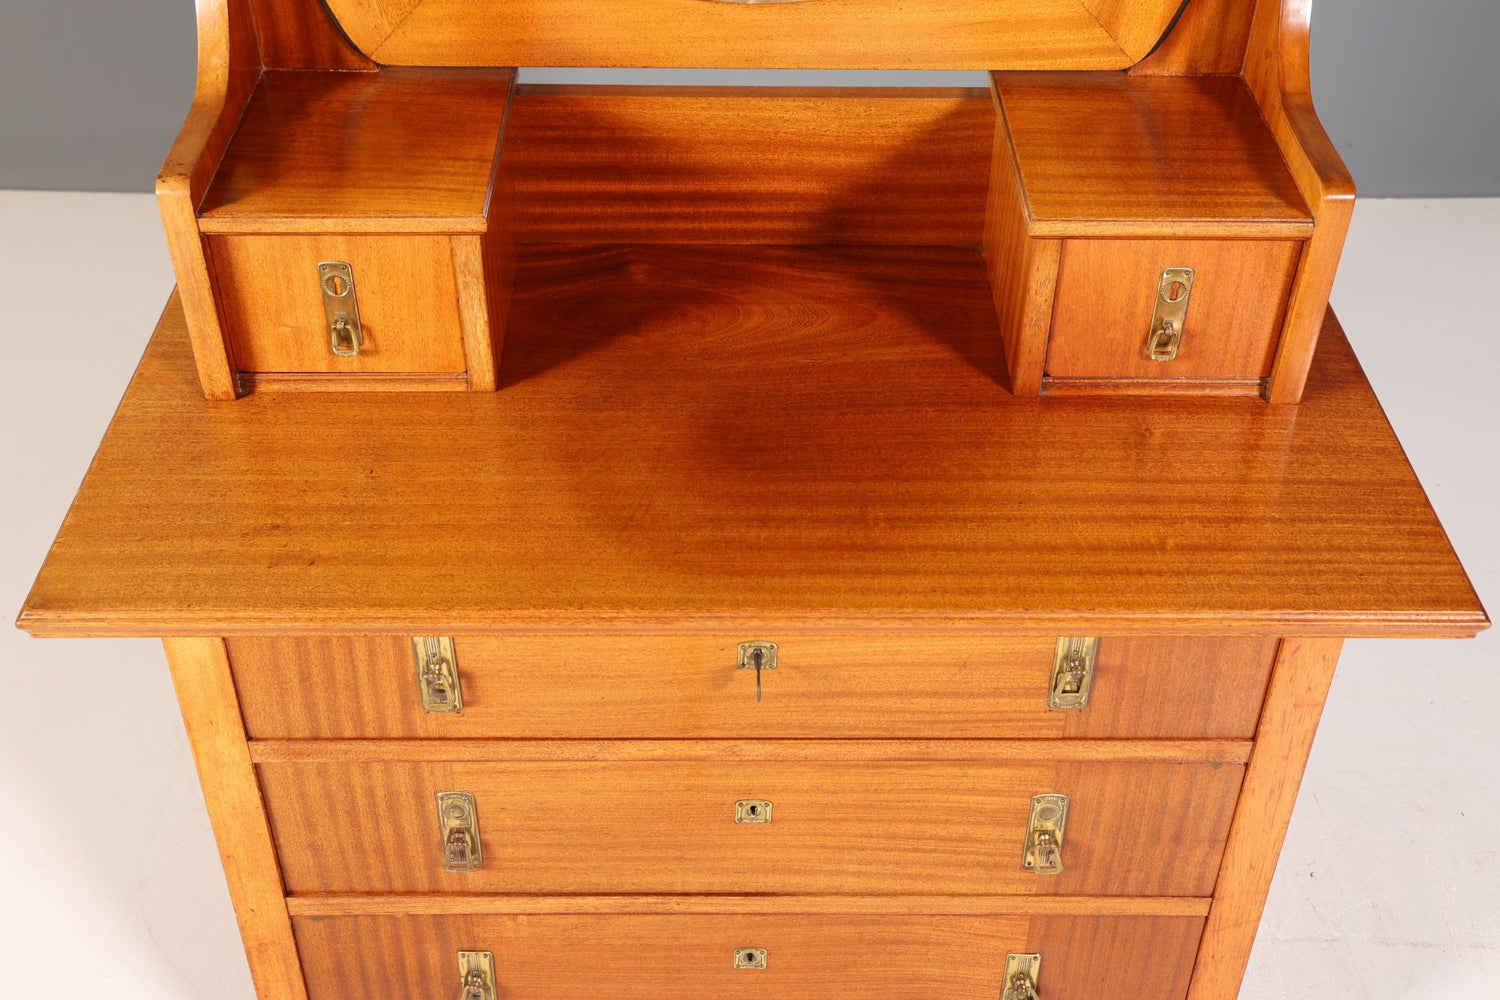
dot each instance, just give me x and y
(1389, 886)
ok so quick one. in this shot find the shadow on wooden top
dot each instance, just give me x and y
(747, 437)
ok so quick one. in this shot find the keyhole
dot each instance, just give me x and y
(336, 285)
(755, 810)
(1174, 291)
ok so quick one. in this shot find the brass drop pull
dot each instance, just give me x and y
(1021, 974)
(1044, 834)
(437, 673)
(340, 308)
(458, 817)
(757, 656)
(1172, 295)
(1072, 672)
(476, 975)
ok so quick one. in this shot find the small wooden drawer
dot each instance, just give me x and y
(351, 195)
(653, 686)
(660, 818)
(692, 956)
(1113, 197)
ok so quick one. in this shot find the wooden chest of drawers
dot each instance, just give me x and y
(760, 635)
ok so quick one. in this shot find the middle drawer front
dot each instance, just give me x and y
(653, 686)
(691, 957)
(1133, 828)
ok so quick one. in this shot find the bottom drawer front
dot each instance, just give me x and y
(667, 957)
(1133, 828)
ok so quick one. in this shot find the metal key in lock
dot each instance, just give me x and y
(757, 656)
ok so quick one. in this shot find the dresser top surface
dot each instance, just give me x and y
(706, 438)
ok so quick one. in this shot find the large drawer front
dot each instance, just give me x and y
(824, 685)
(1134, 828)
(661, 957)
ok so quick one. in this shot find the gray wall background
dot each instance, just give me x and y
(92, 91)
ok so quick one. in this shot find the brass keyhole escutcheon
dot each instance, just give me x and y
(1173, 292)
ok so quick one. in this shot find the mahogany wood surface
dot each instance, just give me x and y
(408, 302)
(749, 439)
(668, 826)
(390, 905)
(1294, 704)
(840, 34)
(205, 692)
(1023, 751)
(690, 686)
(815, 165)
(1276, 69)
(664, 957)
(300, 34)
(401, 150)
(1022, 271)
(1209, 38)
(1106, 298)
(1108, 154)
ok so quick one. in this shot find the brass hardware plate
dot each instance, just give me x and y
(1072, 672)
(437, 673)
(750, 958)
(1172, 295)
(476, 975)
(757, 656)
(1021, 974)
(752, 811)
(458, 819)
(340, 308)
(1044, 834)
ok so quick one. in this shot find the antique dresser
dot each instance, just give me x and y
(879, 544)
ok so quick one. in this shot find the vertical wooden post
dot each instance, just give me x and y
(211, 710)
(1283, 740)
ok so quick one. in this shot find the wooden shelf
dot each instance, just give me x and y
(699, 437)
(1106, 154)
(401, 150)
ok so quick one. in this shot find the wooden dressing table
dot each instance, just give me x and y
(776, 614)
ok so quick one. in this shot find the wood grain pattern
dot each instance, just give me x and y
(228, 68)
(205, 692)
(750, 441)
(578, 826)
(837, 34)
(273, 305)
(1209, 39)
(1299, 687)
(1106, 298)
(750, 165)
(511, 751)
(389, 905)
(689, 957)
(301, 34)
(1107, 154)
(1276, 70)
(394, 151)
(472, 287)
(830, 685)
(1022, 270)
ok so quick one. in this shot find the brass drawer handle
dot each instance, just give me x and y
(1021, 974)
(1173, 292)
(458, 818)
(1072, 672)
(437, 673)
(476, 975)
(340, 308)
(1044, 834)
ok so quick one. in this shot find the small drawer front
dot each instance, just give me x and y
(823, 685)
(274, 315)
(690, 957)
(1106, 301)
(675, 826)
